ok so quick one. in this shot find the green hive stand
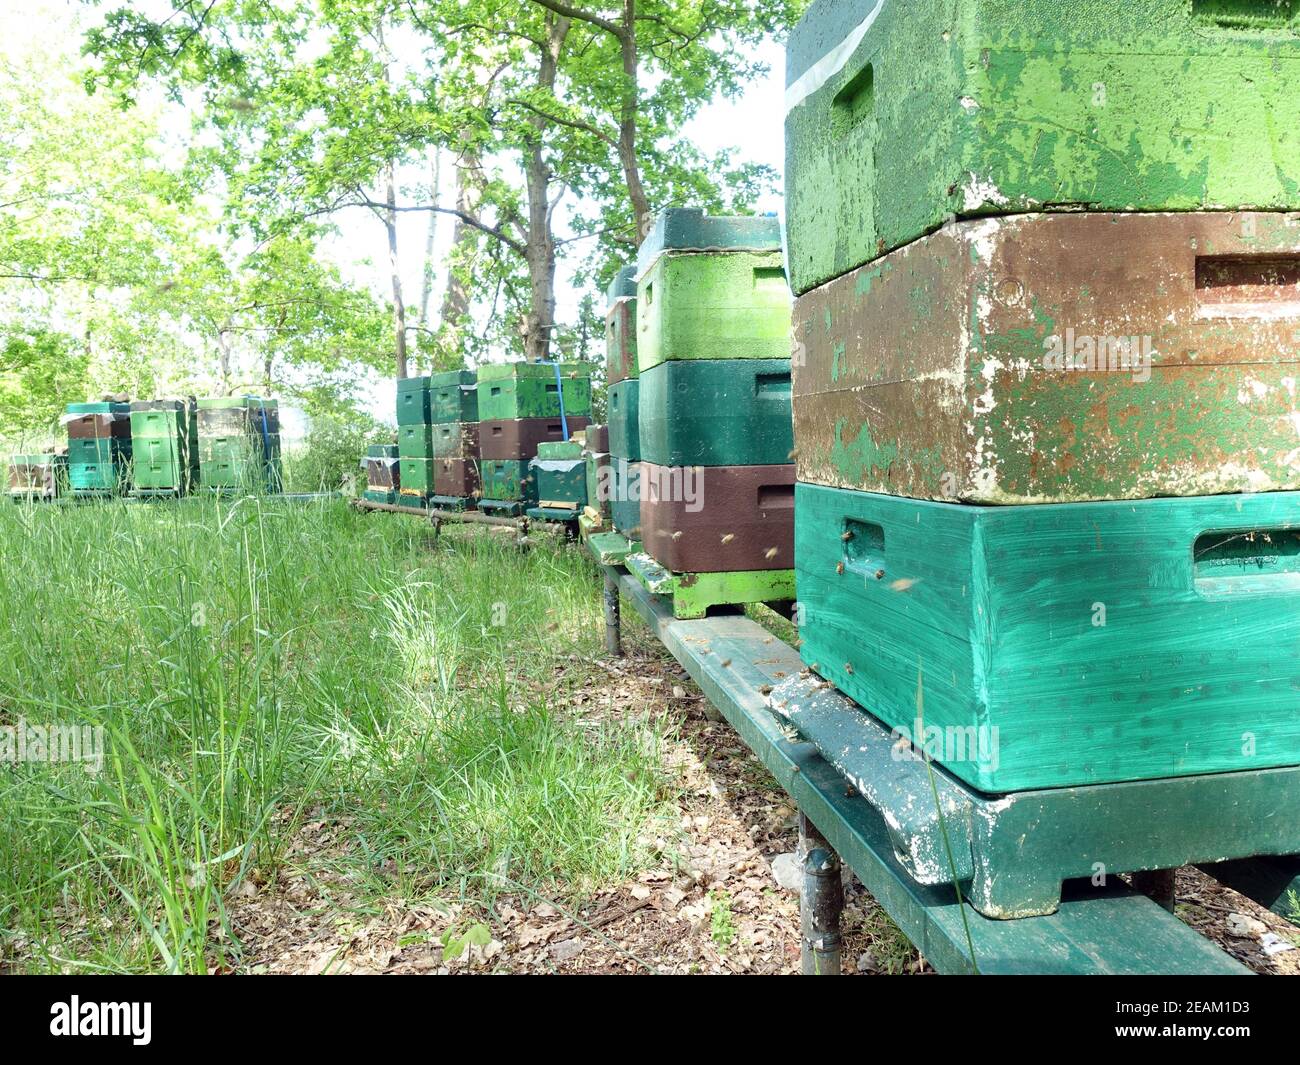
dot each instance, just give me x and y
(692, 594)
(903, 115)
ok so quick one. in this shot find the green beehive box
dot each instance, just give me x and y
(413, 401)
(164, 449)
(160, 474)
(249, 473)
(383, 451)
(455, 440)
(415, 440)
(728, 302)
(623, 407)
(101, 450)
(416, 475)
(381, 495)
(715, 412)
(98, 408)
(1110, 641)
(902, 116)
(561, 483)
(94, 476)
(559, 449)
(229, 449)
(625, 502)
(453, 397)
(509, 391)
(507, 479)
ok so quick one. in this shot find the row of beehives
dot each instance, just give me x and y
(489, 438)
(157, 447)
(1046, 328)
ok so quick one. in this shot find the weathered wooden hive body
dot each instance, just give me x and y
(239, 443)
(383, 473)
(713, 347)
(1047, 351)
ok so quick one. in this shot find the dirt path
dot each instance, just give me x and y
(711, 905)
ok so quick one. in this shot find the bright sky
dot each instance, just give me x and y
(750, 124)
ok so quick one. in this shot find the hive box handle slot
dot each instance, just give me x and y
(855, 102)
(1248, 286)
(1245, 561)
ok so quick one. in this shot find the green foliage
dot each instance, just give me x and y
(722, 922)
(329, 460)
(257, 665)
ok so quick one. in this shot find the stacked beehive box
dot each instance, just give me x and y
(165, 450)
(35, 477)
(520, 406)
(622, 405)
(598, 515)
(415, 440)
(560, 473)
(99, 446)
(995, 374)
(713, 352)
(239, 443)
(454, 409)
(383, 473)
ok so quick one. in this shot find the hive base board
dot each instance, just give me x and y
(511, 508)
(1012, 852)
(560, 514)
(694, 593)
(1102, 929)
(455, 504)
(610, 548)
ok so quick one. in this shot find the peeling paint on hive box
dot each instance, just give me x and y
(938, 372)
(1105, 641)
(716, 519)
(952, 108)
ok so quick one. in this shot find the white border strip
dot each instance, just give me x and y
(830, 64)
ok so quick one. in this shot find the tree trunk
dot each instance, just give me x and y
(426, 292)
(223, 350)
(464, 239)
(627, 123)
(390, 224)
(540, 249)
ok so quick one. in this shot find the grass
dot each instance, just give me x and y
(255, 663)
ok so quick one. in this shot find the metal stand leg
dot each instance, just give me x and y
(821, 902)
(613, 621)
(1159, 884)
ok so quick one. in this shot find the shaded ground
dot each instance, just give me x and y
(712, 904)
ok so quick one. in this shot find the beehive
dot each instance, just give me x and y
(99, 446)
(560, 473)
(901, 117)
(620, 327)
(1104, 641)
(511, 391)
(711, 288)
(239, 443)
(1059, 357)
(518, 439)
(165, 445)
(34, 477)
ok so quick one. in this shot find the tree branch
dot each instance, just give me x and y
(591, 17)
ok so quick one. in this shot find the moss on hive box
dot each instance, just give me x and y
(903, 115)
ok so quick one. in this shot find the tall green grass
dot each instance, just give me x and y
(252, 660)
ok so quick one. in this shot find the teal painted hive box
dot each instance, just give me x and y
(518, 390)
(623, 408)
(415, 440)
(715, 412)
(1065, 644)
(413, 401)
(561, 482)
(699, 297)
(453, 396)
(901, 116)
